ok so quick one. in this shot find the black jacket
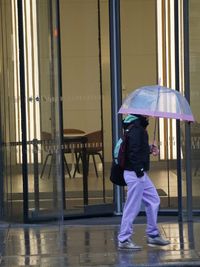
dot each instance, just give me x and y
(137, 149)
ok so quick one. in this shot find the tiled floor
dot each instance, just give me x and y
(167, 182)
(94, 244)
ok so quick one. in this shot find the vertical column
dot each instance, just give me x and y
(23, 108)
(59, 107)
(36, 175)
(187, 95)
(178, 136)
(116, 95)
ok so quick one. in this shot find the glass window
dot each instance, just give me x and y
(42, 105)
(140, 67)
(194, 21)
(86, 104)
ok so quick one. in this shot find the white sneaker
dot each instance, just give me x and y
(128, 244)
(157, 241)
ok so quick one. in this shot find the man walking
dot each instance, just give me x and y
(139, 186)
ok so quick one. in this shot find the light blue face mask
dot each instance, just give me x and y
(130, 118)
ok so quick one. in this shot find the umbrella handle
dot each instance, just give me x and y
(154, 133)
(156, 119)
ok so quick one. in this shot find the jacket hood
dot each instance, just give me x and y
(131, 118)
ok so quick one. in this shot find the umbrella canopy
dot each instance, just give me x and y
(157, 101)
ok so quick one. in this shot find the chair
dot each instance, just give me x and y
(195, 146)
(94, 148)
(73, 132)
(48, 147)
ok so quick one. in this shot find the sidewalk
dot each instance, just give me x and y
(94, 243)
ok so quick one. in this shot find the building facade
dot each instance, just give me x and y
(65, 68)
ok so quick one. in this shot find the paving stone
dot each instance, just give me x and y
(96, 245)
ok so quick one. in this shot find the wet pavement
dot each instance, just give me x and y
(89, 245)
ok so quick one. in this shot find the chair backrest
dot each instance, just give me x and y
(94, 141)
(195, 140)
(47, 142)
(195, 137)
(46, 136)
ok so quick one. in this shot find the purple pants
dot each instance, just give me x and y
(139, 190)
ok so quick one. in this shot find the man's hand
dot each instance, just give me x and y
(139, 173)
(154, 150)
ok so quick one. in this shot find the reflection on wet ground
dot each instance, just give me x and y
(95, 245)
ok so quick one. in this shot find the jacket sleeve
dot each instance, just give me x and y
(135, 139)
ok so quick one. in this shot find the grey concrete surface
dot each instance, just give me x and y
(93, 242)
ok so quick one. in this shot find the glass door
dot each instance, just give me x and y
(86, 106)
(43, 103)
(9, 170)
(194, 60)
(30, 110)
(140, 67)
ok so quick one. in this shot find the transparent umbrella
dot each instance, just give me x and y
(157, 101)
